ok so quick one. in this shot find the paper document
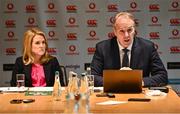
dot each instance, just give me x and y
(111, 102)
(13, 89)
(41, 89)
(155, 93)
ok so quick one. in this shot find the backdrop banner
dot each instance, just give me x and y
(73, 27)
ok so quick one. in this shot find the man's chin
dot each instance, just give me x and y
(126, 45)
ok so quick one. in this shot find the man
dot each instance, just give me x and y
(140, 54)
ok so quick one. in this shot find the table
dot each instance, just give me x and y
(167, 104)
(46, 104)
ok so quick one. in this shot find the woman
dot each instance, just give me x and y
(38, 66)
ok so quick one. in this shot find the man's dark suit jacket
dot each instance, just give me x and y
(49, 70)
(144, 56)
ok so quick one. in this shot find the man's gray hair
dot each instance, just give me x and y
(124, 14)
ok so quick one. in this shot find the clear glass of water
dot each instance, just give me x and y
(20, 80)
(91, 83)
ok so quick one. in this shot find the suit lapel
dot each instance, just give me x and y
(135, 54)
(46, 73)
(27, 70)
(115, 54)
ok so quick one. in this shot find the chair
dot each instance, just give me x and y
(65, 78)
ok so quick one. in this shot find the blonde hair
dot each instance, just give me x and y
(123, 14)
(28, 57)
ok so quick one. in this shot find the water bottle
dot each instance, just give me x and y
(76, 106)
(71, 106)
(83, 103)
(83, 90)
(88, 70)
(57, 87)
(72, 94)
(90, 80)
(76, 100)
(73, 83)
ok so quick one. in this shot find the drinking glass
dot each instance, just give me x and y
(91, 83)
(20, 80)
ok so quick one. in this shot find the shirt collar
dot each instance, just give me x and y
(129, 47)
